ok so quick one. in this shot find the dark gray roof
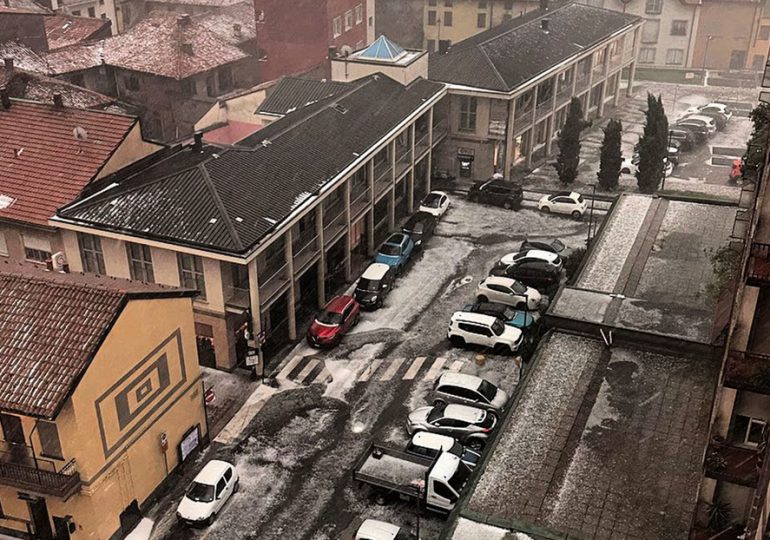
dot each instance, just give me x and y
(505, 57)
(293, 93)
(228, 199)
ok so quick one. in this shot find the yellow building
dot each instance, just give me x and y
(100, 399)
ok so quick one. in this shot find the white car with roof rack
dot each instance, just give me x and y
(520, 257)
(430, 445)
(374, 529)
(469, 425)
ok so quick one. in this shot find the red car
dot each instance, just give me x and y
(333, 322)
(735, 170)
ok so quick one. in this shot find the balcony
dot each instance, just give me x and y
(382, 178)
(21, 469)
(305, 249)
(421, 144)
(522, 120)
(748, 371)
(758, 271)
(544, 108)
(599, 71)
(359, 202)
(403, 162)
(581, 83)
(440, 130)
(334, 223)
(732, 464)
(271, 282)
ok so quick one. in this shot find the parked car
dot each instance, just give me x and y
(420, 227)
(374, 285)
(435, 203)
(532, 255)
(720, 108)
(719, 118)
(396, 251)
(476, 329)
(468, 390)
(698, 130)
(374, 529)
(631, 166)
(509, 292)
(707, 122)
(564, 202)
(338, 316)
(736, 170)
(533, 273)
(684, 137)
(673, 152)
(555, 245)
(497, 192)
(430, 445)
(518, 318)
(208, 493)
(466, 424)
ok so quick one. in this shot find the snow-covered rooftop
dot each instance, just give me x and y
(601, 443)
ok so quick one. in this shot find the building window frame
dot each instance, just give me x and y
(647, 55)
(50, 442)
(674, 57)
(348, 20)
(191, 273)
(649, 24)
(764, 33)
(91, 253)
(140, 262)
(481, 20)
(225, 80)
(432, 18)
(679, 27)
(653, 7)
(337, 26)
(131, 82)
(359, 13)
(447, 18)
(468, 114)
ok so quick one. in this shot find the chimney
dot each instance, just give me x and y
(183, 20)
(544, 25)
(237, 30)
(187, 48)
(8, 62)
(5, 99)
(197, 145)
(332, 52)
(57, 100)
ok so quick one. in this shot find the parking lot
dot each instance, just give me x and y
(295, 457)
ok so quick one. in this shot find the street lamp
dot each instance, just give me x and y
(591, 214)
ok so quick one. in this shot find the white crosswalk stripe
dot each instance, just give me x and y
(435, 368)
(322, 377)
(392, 369)
(457, 365)
(286, 371)
(306, 370)
(369, 371)
(414, 368)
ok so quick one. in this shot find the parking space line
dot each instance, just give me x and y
(435, 368)
(414, 368)
(457, 365)
(392, 369)
(306, 370)
(369, 371)
(286, 371)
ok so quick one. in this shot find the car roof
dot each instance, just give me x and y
(464, 412)
(212, 472)
(460, 379)
(701, 117)
(436, 441)
(419, 216)
(480, 318)
(537, 254)
(445, 466)
(374, 528)
(375, 271)
(499, 280)
(495, 307)
(440, 193)
(338, 303)
(396, 238)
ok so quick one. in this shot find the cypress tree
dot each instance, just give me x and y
(653, 146)
(569, 143)
(611, 158)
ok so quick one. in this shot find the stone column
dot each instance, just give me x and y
(346, 197)
(288, 253)
(256, 312)
(370, 219)
(606, 78)
(533, 123)
(509, 137)
(392, 190)
(319, 226)
(631, 74)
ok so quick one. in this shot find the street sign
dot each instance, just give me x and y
(252, 358)
(209, 396)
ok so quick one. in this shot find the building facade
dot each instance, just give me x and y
(97, 410)
(726, 34)
(23, 21)
(509, 115)
(99, 9)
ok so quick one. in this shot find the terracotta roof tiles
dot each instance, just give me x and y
(64, 30)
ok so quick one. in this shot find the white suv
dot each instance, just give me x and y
(509, 292)
(485, 330)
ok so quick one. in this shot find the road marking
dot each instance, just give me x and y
(457, 366)
(392, 369)
(306, 370)
(323, 376)
(414, 368)
(369, 371)
(435, 368)
(286, 371)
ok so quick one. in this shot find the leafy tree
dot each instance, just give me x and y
(611, 158)
(757, 144)
(569, 143)
(653, 146)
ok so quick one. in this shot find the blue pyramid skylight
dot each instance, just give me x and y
(382, 49)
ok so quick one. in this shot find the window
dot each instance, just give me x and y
(431, 45)
(50, 446)
(675, 56)
(76, 13)
(211, 87)
(140, 262)
(508, 5)
(92, 12)
(757, 65)
(431, 18)
(228, 474)
(481, 20)
(36, 248)
(443, 491)
(36, 255)
(448, 3)
(3, 244)
(131, 82)
(359, 14)
(240, 276)
(650, 31)
(431, 2)
(678, 28)
(221, 485)
(348, 20)
(653, 7)
(482, 4)
(225, 78)
(764, 33)
(191, 273)
(647, 55)
(337, 26)
(468, 106)
(747, 430)
(91, 253)
(447, 18)
(104, 18)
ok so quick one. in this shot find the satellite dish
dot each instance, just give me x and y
(80, 134)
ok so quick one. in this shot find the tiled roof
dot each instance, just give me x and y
(209, 3)
(51, 326)
(64, 30)
(42, 165)
(23, 58)
(22, 6)
(505, 57)
(230, 133)
(155, 45)
(223, 23)
(293, 93)
(228, 200)
(34, 87)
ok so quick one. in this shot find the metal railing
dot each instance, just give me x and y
(748, 371)
(758, 271)
(522, 120)
(581, 83)
(420, 141)
(544, 108)
(334, 226)
(440, 130)
(305, 249)
(403, 162)
(22, 469)
(733, 464)
(272, 284)
(359, 202)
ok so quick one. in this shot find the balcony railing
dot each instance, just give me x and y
(21, 469)
(440, 130)
(403, 162)
(304, 250)
(334, 223)
(359, 202)
(273, 282)
(420, 142)
(581, 83)
(382, 179)
(732, 464)
(748, 371)
(544, 108)
(758, 272)
(599, 70)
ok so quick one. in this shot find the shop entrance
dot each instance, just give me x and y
(41, 523)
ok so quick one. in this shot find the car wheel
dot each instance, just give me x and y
(520, 305)
(625, 170)
(472, 198)
(439, 402)
(482, 298)
(507, 205)
(237, 487)
(379, 304)
(476, 444)
(545, 209)
(499, 348)
(457, 341)
(577, 215)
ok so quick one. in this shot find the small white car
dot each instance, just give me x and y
(430, 445)
(374, 529)
(539, 255)
(509, 292)
(476, 329)
(208, 493)
(631, 166)
(466, 424)
(435, 203)
(565, 202)
(707, 121)
(468, 390)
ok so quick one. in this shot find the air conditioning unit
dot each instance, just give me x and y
(59, 263)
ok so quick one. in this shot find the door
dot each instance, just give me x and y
(12, 430)
(221, 494)
(61, 525)
(738, 60)
(38, 512)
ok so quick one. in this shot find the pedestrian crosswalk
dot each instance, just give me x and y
(307, 370)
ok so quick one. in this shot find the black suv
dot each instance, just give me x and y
(497, 192)
(420, 227)
(537, 274)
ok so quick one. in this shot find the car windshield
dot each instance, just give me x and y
(432, 200)
(518, 288)
(390, 250)
(498, 327)
(369, 285)
(329, 318)
(460, 477)
(200, 492)
(457, 449)
(509, 313)
(580, 198)
(435, 414)
(488, 390)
